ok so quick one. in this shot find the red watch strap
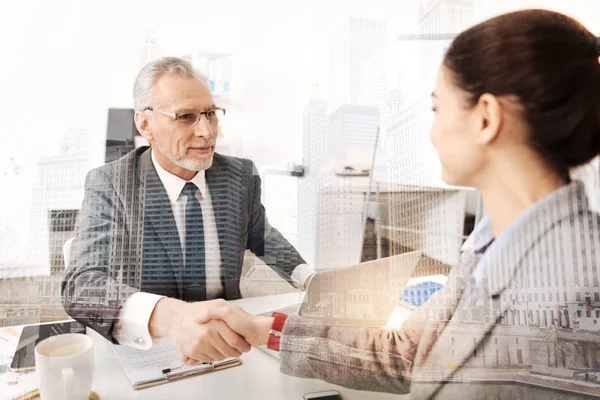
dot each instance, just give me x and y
(279, 321)
(276, 328)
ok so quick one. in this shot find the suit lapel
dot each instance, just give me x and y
(158, 216)
(217, 180)
(438, 356)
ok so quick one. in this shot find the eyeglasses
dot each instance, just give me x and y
(192, 118)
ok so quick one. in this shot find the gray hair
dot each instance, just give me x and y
(143, 87)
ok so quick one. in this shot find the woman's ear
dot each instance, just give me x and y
(143, 125)
(490, 115)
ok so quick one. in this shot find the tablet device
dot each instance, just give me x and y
(24, 358)
(329, 395)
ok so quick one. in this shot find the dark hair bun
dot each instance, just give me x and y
(550, 61)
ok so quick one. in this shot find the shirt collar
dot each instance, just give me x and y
(174, 184)
(481, 237)
(483, 234)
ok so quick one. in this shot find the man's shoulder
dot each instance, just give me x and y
(235, 163)
(117, 168)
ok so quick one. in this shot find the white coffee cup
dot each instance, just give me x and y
(64, 364)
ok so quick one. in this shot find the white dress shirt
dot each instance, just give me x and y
(132, 327)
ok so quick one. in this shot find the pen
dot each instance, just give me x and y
(30, 395)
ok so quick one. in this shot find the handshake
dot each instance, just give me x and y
(208, 331)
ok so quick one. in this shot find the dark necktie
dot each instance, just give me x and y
(194, 276)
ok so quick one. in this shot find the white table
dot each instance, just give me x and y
(257, 378)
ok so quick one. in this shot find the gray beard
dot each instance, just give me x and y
(193, 165)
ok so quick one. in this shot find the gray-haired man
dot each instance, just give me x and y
(163, 230)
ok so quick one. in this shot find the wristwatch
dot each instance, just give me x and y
(276, 329)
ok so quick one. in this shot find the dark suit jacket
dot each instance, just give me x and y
(127, 240)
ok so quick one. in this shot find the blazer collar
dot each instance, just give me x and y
(508, 249)
(564, 203)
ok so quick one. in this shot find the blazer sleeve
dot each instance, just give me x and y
(359, 358)
(266, 242)
(91, 277)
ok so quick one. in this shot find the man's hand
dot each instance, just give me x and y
(254, 328)
(208, 341)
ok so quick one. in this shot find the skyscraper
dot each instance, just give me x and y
(353, 43)
(437, 17)
(218, 69)
(314, 157)
(59, 187)
(422, 216)
(315, 133)
(150, 50)
(280, 198)
(57, 195)
(376, 81)
(352, 126)
(405, 138)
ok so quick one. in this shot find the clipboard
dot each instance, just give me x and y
(162, 364)
(171, 375)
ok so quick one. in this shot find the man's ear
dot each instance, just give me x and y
(490, 114)
(143, 125)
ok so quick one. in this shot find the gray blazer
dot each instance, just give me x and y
(126, 239)
(525, 306)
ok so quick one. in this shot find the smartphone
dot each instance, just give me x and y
(328, 395)
(24, 358)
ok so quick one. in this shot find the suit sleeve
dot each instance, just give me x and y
(266, 242)
(359, 358)
(92, 291)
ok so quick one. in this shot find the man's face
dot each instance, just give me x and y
(178, 145)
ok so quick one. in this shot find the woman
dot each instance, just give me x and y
(517, 104)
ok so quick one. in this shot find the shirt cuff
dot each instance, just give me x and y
(132, 326)
(301, 273)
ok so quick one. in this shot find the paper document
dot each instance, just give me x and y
(160, 364)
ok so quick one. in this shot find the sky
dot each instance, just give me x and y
(65, 62)
(71, 60)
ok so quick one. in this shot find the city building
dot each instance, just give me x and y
(352, 125)
(279, 195)
(315, 130)
(314, 157)
(59, 186)
(57, 195)
(218, 70)
(419, 289)
(346, 200)
(121, 133)
(150, 50)
(430, 220)
(376, 81)
(425, 214)
(19, 302)
(354, 41)
(440, 17)
(406, 141)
